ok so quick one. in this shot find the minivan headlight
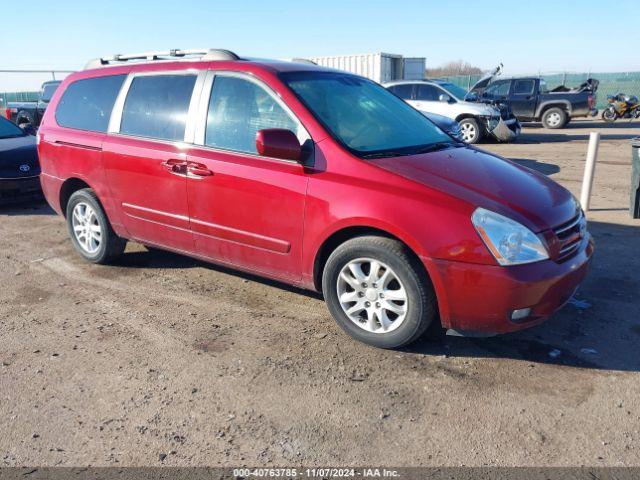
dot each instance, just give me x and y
(509, 242)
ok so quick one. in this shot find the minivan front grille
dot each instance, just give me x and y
(570, 235)
(569, 249)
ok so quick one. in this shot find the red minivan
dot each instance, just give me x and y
(314, 177)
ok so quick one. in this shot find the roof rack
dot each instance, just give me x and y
(303, 60)
(209, 54)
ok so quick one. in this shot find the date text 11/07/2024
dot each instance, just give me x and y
(315, 473)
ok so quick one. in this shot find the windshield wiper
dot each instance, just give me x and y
(432, 147)
(388, 153)
(435, 147)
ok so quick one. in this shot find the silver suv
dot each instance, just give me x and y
(477, 120)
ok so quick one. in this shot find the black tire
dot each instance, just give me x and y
(110, 245)
(468, 125)
(421, 304)
(554, 118)
(609, 114)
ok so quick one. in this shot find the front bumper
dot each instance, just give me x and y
(481, 298)
(506, 130)
(19, 189)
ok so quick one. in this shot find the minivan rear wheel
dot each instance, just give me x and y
(90, 230)
(377, 292)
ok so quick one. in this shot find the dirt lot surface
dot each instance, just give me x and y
(163, 360)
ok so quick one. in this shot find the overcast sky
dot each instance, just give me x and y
(528, 37)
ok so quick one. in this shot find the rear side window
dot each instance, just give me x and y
(543, 87)
(87, 104)
(523, 87)
(157, 106)
(404, 91)
(239, 108)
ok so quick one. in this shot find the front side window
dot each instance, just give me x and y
(87, 104)
(157, 106)
(238, 109)
(365, 117)
(428, 93)
(523, 87)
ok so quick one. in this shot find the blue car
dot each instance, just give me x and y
(19, 166)
(451, 127)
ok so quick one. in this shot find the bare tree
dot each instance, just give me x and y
(458, 67)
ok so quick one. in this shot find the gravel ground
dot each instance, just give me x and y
(163, 360)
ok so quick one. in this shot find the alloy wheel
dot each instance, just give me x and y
(86, 227)
(371, 295)
(469, 132)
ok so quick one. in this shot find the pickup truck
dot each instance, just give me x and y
(22, 113)
(531, 101)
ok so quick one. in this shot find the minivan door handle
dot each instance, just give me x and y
(177, 167)
(195, 169)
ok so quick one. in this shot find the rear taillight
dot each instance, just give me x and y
(590, 101)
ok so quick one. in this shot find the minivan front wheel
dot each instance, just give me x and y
(90, 230)
(377, 292)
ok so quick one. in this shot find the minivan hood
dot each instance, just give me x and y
(485, 180)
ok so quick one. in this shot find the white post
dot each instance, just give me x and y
(589, 168)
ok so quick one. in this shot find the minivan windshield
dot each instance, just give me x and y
(365, 117)
(8, 129)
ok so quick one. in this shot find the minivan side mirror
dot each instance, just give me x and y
(444, 98)
(278, 143)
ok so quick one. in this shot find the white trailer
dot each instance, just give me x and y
(380, 67)
(413, 68)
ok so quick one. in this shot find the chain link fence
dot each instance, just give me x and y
(24, 85)
(610, 83)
